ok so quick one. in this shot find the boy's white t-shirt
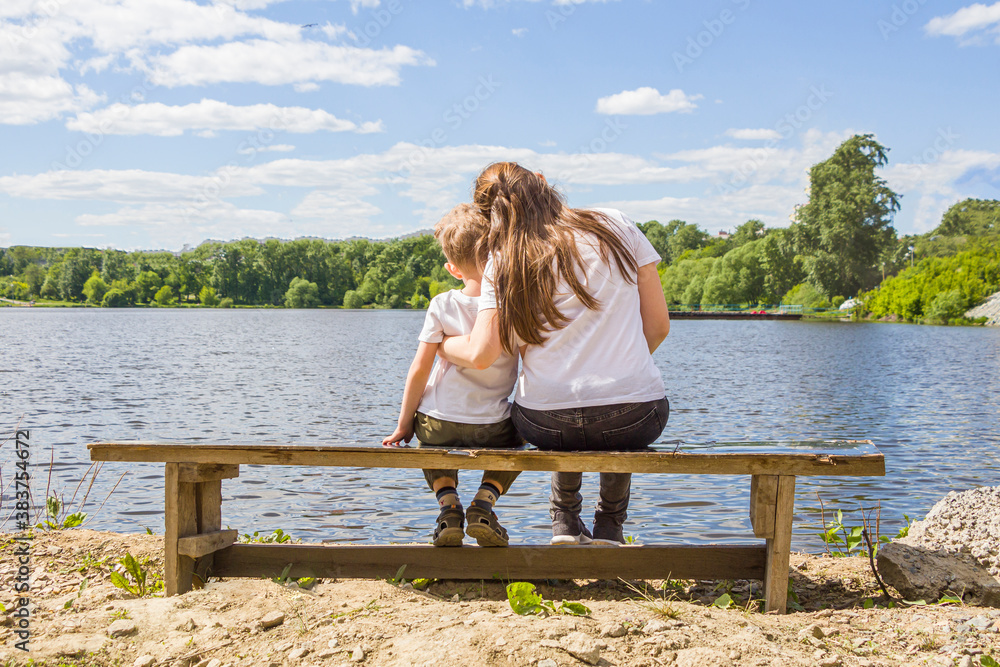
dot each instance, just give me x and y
(601, 357)
(463, 395)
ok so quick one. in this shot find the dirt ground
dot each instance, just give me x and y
(80, 618)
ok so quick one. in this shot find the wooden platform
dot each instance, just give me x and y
(196, 545)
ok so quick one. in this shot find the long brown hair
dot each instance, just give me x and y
(533, 240)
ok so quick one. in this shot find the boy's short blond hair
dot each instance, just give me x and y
(460, 233)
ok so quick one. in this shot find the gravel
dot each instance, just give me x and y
(965, 522)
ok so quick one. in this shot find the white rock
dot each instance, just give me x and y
(122, 628)
(656, 625)
(358, 655)
(547, 662)
(272, 619)
(144, 661)
(614, 630)
(298, 653)
(582, 647)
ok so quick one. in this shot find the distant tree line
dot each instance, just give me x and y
(400, 273)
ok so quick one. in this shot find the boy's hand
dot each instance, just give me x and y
(400, 435)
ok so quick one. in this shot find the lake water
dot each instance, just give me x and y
(929, 397)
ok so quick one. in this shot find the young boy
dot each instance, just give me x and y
(449, 406)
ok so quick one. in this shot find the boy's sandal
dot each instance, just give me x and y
(484, 526)
(448, 531)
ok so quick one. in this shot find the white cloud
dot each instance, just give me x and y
(937, 183)
(26, 99)
(646, 101)
(171, 41)
(277, 148)
(367, 4)
(750, 134)
(519, 32)
(277, 63)
(170, 224)
(966, 20)
(123, 186)
(5, 237)
(211, 115)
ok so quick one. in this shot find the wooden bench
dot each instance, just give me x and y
(196, 544)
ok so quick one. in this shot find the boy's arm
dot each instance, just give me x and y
(416, 382)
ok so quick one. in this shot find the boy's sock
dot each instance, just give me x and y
(448, 496)
(486, 497)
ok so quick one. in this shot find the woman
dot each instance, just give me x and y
(577, 292)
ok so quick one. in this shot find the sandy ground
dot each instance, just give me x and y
(79, 618)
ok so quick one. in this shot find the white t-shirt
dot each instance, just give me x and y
(463, 395)
(601, 357)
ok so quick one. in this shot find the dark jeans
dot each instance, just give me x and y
(622, 427)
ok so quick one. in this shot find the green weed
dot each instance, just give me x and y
(56, 517)
(136, 577)
(663, 605)
(120, 614)
(277, 537)
(524, 600)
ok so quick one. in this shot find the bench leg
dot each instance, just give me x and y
(181, 520)
(779, 546)
(209, 499)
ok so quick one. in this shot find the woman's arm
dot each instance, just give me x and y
(416, 382)
(480, 348)
(652, 307)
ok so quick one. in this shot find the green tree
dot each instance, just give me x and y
(34, 276)
(207, 297)
(682, 237)
(353, 300)
(147, 285)
(76, 270)
(165, 296)
(95, 288)
(302, 294)
(970, 217)
(115, 298)
(846, 226)
(751, 230)
(684, 281)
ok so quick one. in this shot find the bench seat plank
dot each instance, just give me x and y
(514, 562)
(843, 458)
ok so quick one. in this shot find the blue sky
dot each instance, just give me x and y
(142, 124)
